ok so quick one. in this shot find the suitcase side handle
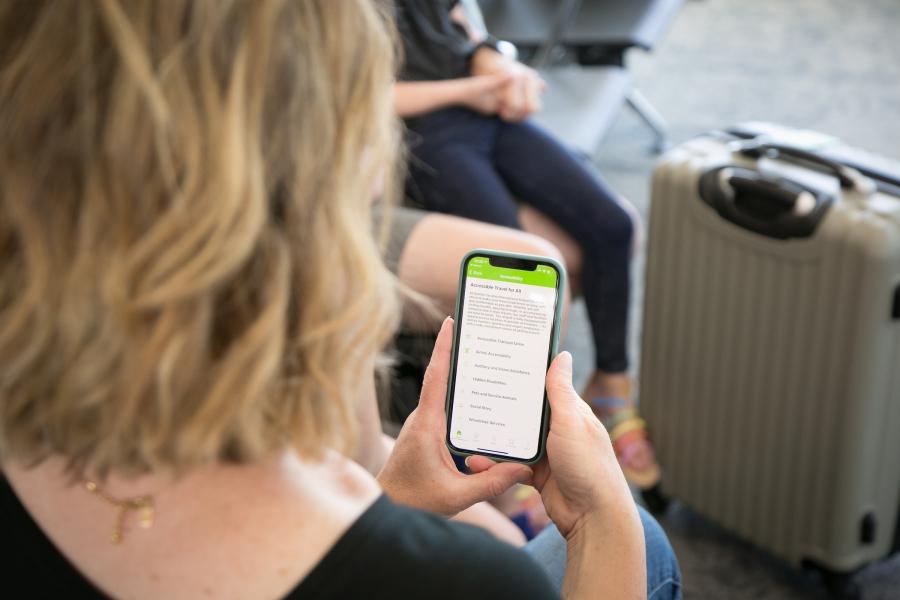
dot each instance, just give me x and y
(772, 206)
(847, 177)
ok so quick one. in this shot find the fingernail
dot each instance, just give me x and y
(524, 475)
(467, 461)
(565, 360)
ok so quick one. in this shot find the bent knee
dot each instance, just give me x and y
(636, 223)
(543, 247)
(618, 226)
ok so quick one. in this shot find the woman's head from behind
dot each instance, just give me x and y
(188, 271)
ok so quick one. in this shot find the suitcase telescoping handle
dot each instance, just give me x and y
(846, 176)
(772, 206)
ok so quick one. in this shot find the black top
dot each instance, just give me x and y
(434, 47)
(390, 552)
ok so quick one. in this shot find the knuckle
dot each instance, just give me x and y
(495, 487)
(431, 382)
(429, 379)
(588, 414)
(558, 384)
(591, 429)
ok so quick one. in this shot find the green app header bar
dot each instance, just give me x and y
(480, 268)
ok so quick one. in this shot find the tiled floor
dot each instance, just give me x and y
(829, 65)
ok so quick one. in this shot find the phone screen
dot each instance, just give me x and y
(505, 324)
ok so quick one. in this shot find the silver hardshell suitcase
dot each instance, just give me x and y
(770, 365)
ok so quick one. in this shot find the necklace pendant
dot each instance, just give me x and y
(143, 505)
(145, 516)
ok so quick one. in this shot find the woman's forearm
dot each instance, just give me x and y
(606, 558)
(412, 98)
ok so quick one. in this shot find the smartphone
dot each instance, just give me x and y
(506, 333)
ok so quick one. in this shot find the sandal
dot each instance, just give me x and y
(627, 432)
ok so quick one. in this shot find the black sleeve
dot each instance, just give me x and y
(434, 47)
(393, 552)
(488, 568)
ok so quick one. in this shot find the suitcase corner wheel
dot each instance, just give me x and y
(840, 586)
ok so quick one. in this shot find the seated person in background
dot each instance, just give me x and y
(475, 154)
(191, 305)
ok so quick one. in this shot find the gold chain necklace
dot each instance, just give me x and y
(142, 504)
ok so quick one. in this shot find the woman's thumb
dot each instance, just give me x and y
(560, 391)
(496, 480)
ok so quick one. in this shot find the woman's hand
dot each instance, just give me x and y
(520, 97)
(420, 471)
(580, 480)
(484, 93)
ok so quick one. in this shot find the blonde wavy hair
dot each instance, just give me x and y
(188, 267)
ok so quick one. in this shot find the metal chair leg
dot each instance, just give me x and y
(651, 117)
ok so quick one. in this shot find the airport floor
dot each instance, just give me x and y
(828, 65)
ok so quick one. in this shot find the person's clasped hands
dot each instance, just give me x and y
(504, 87)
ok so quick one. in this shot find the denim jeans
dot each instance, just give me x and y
(479, 167)
(663, 574)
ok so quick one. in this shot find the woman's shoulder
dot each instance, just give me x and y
(322, 531)
(277, 521)
(393, 551)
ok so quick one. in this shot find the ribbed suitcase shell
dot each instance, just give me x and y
(770, 369)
